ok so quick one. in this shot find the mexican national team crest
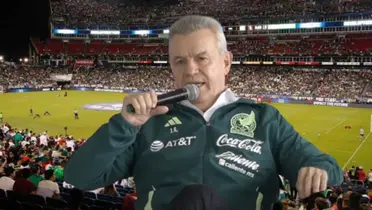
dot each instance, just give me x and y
(243, 124)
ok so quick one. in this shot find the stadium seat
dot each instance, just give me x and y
(85, 207)
(67, 190)
(88, 201)
(122, 192)
(16, 196)
(118, 199)
(97, 208)
(104, 197)
(56, 203)
(14, 205)
(51, 208)
(65, 196)
(103, 203)
(35, 199)
(30, 206)
(2, 193)
(90, 195)
(117, 206)
(3, 203)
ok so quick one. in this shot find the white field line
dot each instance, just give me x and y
(356, 151)
(335, 126)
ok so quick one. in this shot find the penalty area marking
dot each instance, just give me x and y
(335, 126)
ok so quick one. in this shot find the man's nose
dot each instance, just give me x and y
(192, 68)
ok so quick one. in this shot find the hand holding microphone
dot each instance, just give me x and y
(139, 107)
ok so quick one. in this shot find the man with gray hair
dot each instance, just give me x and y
(230, 147)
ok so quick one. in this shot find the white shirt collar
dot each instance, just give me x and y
(227, 97)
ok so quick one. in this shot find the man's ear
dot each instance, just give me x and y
(228, 61)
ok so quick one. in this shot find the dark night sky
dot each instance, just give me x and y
(20, 19)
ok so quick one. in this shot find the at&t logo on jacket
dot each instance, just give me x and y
(158, 145)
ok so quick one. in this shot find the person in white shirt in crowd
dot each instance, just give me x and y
(11, 143)
(7, 181)
(5, 128)
(44, 139)
(70, 143)
(24, 143)
(47, 187)
(33, 138)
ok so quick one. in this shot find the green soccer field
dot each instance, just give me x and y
(324, 126)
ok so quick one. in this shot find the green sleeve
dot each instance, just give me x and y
(106, 157)
(292, 152)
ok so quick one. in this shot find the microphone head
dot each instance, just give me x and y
(193, 92)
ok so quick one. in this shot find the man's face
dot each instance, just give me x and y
(195, 58)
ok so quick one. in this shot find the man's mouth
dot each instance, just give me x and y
(199, 84)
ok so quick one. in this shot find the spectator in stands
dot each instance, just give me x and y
(47, 187)
(21, 183)
(77, 197)
(109, 190)
(198, 54)
(333, 200)
(346, 199)
(35, 177)
(309, 202)
(370, 179)
(7, 181)
(361, 174)
(321, 204)
(346, 176)
(352, 201)
(63, 150)
(352, 173)
(122, 13)
(59, 170)
(3, 161)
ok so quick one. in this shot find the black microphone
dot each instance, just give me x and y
(189, 92)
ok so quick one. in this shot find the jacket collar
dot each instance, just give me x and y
(226, 98)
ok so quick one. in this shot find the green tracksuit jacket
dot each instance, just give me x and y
(239, 152)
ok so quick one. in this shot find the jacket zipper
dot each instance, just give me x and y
(198, 115)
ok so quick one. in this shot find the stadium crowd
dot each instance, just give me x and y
(332, 44)
(115, 13)
(259, 80)
(34, 164)
(299, 45)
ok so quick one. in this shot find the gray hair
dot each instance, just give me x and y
(192, 23)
